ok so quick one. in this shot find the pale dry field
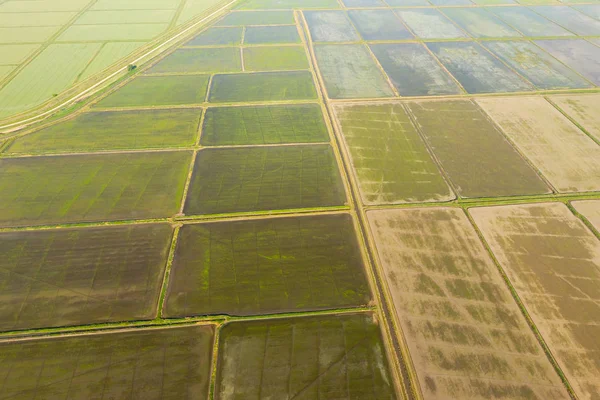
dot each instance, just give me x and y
(466, 335)
(565, 155)
(585, 109)
(553, 261)
(590, 209)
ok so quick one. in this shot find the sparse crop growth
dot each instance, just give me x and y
(584, 109)
(590, 209)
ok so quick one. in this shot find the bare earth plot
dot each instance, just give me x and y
(553, 261)
(466, 336)
(590, 209)
(566, 156)
(168, 363)
(82, 275)
(334, 357)
(391, 162)
(584, 109)
(478, 159)
(267, 266)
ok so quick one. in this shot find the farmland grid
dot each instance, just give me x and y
(344, 151)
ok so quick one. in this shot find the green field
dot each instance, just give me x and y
(267, 266)
(50, 190)
(302, 123)
(478, 159)
(275, 58)
(168, 363)
(264, 178)
(391, 162)
(81, 276)
(225, 59)
(158, 91)
(107, 56)
(107, 130)
(265, 86)
(105, 32)
(334, 357)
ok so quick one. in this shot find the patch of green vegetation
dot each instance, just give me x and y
(106, 130)
(274, 58)
(219, 59)
(158, 90)
(267, 266)
(173, 361)
(98, 187)
(328, 357)
(271, 34)
(265, 86)
(264, 178)
(301, 123)
(81, 275)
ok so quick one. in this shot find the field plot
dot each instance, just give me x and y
(451, 2)
(541, 69)
(113, 130)
(413, 70)
(264, 86)
(16, 6)
(592, 10)
(477, 70)
(567, 157)
(466, 335)
(275, 58)
(46, 190)
(364, 3)
(242, 18)
(429, 23)
(329, 357)
(264, 178)
(584, 109)
(475, 155)
(158, 90)
(529, 22)
(571, 19)
(267, 266)
(271, 34)
(553, 262)
(81, 276)
(590, 209)
(13, 54)
(287, 4)
(126, 17)
(12, 35)
(218, 36)
(34, 19)
(580, 55)
(219, 59)
(110, 53)
(379, 25)
(349, 71)
(172, 363)
(302, 123)
(136, 5)
(330, 26)
(480, 23)
(103, 32)
(391, 162)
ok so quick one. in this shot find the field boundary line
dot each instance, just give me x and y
(212, 382)
(168, 264)
(572, 120)
(188, 182)
(99, 85)
(524, 312)
(583, 219)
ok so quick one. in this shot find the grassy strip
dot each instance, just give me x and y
(583, 219)
(165, 282)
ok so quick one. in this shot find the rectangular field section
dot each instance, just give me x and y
(264, 178)
(124, 364)
(330, 26)
(476, 156)
(553, 261)
(271, 34)
(429, 23)
(267, 266)
(529, 22)
(275, 58)
(301, 123)
(110, 130)
(93, 187)
(590, 209)
(350, 71)
(262, 86)
(241, 18)
(578, 54)
(566, 156)
(81, 275)
(158, 91)
(218, 59)
(480, 23)
(466, 335)
(218, 36)
(379, 25)
(583, 109)
(328, 357)
(391, 162)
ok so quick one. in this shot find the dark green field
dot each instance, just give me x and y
(168, 363)
(82, 275)
(159, 91)
(302, 123)
(110, 130)
(264, 178)
(267, 266)
(94, 187)
(331, 357)
(220, 59)
(265, 86)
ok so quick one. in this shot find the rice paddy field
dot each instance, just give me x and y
(302, 199)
